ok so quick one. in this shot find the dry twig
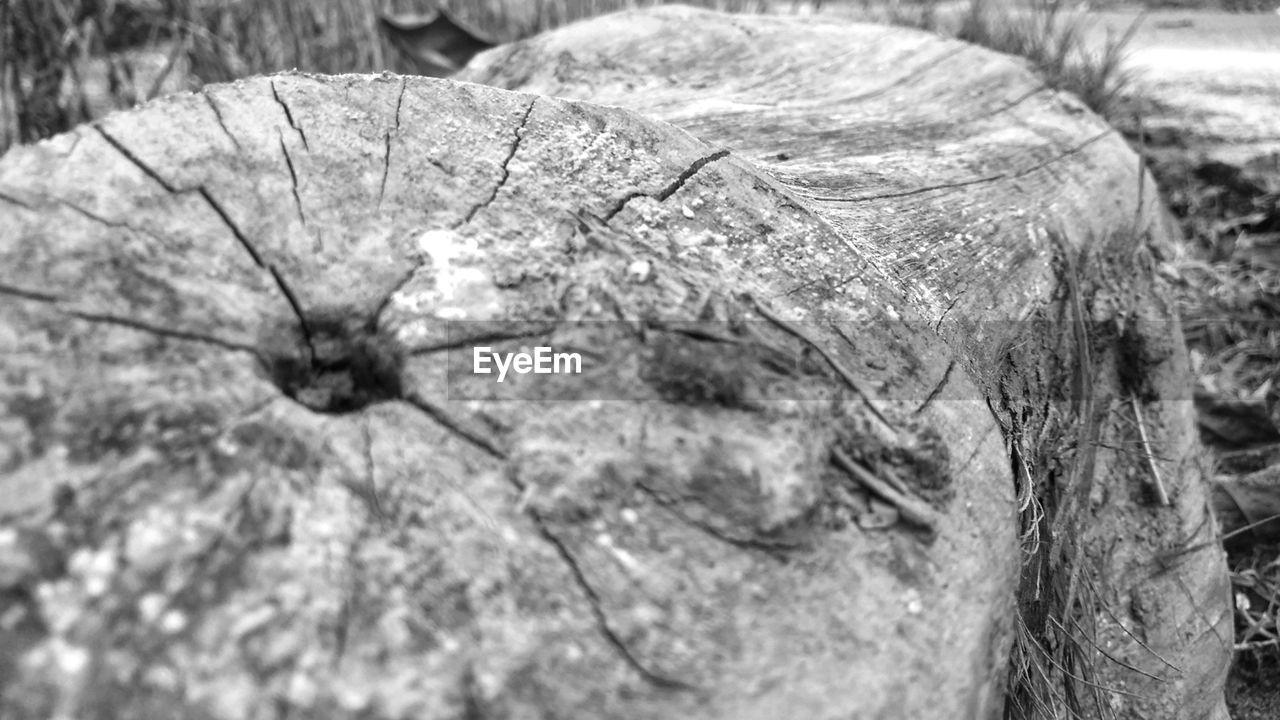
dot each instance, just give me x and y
(1146, 448)
(915, 511)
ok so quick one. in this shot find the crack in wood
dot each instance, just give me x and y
(293, 178)
(506, 162)
(671, 188)
(13, 200)
(288, 114)
(26, 294)
(937, 327)
(131, 323)
(455, 426)
(966, 183)
(404, 84)
(386, 139)
(1065, 154)
(482, 442)
(217, 113)
(937, 390)
(114, 224)
(1011, 104)
(601, 618)
(386, 166)
(135, 160)
(386, 300)
(230, 224)
(147, 327)
(774, 550)
(908, 193)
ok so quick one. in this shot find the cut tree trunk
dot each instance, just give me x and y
(866, 332)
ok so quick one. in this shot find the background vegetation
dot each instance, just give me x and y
(63, 62)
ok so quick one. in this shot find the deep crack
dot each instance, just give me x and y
(453, 425)
(235, 229)
(297, 310)
(404, 83)
(937, 327)
(288, 114)
(671, 188)
(386, 166)
(137, 161)
(506, 162)
(389, 297)
(293, 178)
(937, 390)
(217, 113)
(227, 221)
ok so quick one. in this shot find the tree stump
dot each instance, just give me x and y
(863, 316)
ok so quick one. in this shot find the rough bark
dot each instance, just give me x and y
(251, 474)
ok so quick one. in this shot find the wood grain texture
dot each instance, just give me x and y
(979, 195)
(184, 284)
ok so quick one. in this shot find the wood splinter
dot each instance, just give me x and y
(1161, 494)
(914, 511)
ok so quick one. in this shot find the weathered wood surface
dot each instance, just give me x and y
(184, 534)
(978, 193)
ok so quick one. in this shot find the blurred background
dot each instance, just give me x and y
(63, 62)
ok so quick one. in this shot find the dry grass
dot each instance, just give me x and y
(1052, 667)
(64, 62)
(1047, 32)
(1053, 39)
